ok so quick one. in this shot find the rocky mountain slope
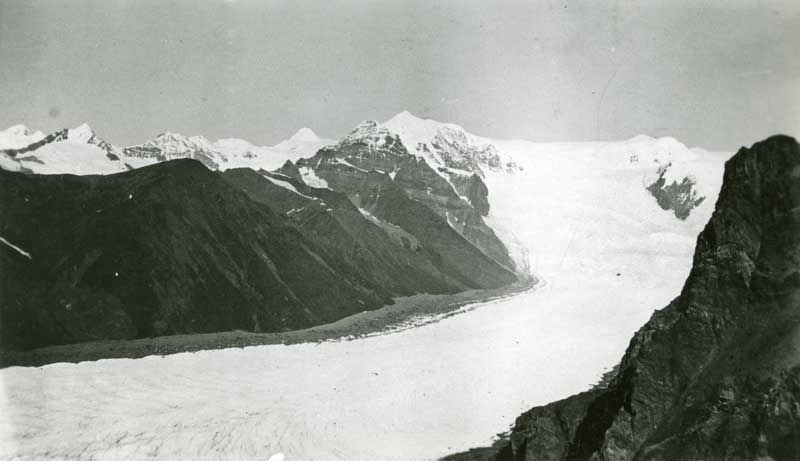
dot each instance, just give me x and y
(176, 248)
(430, 257)
(378, 173)
(715, 374)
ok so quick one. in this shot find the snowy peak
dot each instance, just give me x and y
(447, 145)
(16, 130)
(19, 131)
(75, 151)
(18, 136)
(305, 135)
(169, 146)
(81, 133)
(224, 153)
(176, 143)
(366, 129)
(414, 129)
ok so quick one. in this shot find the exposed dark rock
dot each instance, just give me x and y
(290, 169)
(385, 257)
(681, 197)
(474, 189)
(175, 248)
(715, 374)
(371, 159)
(171, 248)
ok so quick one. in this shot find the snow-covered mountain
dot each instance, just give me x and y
(80, 151)
(447, 146)
(170, 146)
(460, 158)
(679, 178)
(75, 150)
(18, 136)
(225, 153)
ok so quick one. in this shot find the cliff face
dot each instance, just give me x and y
(371, 163)
(715, 374)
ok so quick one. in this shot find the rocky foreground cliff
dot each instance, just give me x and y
(716, 373)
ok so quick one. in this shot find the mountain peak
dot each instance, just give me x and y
(170, 135)
(404, 117)
(364, 129)
(305, 134)
(407, 122)
(18, 136)
(17, 130)
(81, 133)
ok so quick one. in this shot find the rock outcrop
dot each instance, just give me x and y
(680, 197)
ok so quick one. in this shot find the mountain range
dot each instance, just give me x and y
(81, 151)
(182, 238)
(183, 235)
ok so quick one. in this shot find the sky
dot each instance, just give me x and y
(712, 74)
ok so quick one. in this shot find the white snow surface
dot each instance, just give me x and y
(18, 136)
(311, 178)
(81, 133)
(420, 135)
(238, 153)
(71, 156)
(606, 254)
(305, 135)
(288, 186)
(76, 155)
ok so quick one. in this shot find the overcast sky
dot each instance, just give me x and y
(713, 74)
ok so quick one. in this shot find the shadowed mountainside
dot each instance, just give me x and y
(176, 248)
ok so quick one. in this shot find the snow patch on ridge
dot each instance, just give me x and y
(16, 248)
(311, 178)
(288, 186)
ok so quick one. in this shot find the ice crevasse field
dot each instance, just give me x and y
(579, 214)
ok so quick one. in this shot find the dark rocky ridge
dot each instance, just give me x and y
(175, 248)
(385, 256)
(715, 374)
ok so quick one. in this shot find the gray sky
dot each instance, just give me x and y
(714, 74)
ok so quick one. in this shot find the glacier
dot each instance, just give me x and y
(576, 214)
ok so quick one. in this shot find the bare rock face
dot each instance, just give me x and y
(372, 161)
(680, 197)
(715, 374)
